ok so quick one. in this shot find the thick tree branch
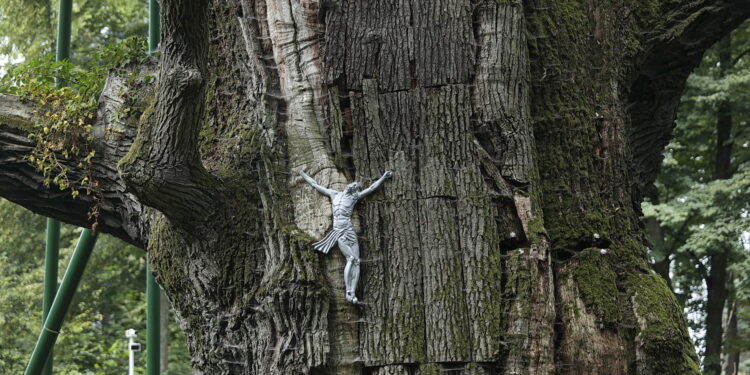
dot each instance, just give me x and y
(702, 270)
(740, 56)
(163, 167)
(672, 42)
(120, 213)
(679, 237)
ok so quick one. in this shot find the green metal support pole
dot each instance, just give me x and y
(52, 249)
(153, 324)
(153, 26)
(153, 302)
(51, 261)
(63, 32)
(65, 293)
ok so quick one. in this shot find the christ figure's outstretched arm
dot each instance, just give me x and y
(322, 190)
(375, 184)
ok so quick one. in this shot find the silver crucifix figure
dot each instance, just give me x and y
(343, 203)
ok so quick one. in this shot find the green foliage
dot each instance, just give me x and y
(110, 299)
(65, 115)
(28, 27)
(714, 215)
(700, 215)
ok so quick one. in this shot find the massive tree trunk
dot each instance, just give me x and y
(522, 136)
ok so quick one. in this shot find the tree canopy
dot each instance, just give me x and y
(28, 27)
(700, 212)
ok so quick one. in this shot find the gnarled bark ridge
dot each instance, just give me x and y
(521, 134)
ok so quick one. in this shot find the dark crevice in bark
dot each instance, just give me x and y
(346, 143)
(559, 325)
(341, 128)
(562, 254)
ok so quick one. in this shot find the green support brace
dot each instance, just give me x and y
(153, 303)
(63, 32)
(51, 261)
(153, 26)
(63, 298)
(153, 324)
(52, 249)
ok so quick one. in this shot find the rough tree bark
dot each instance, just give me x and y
(522, 136)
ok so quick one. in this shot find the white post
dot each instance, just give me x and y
(131, 358)
(130, 334)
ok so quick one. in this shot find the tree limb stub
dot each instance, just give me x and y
(163, 167)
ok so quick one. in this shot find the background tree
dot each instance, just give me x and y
(28, 27)
(522, 136)
(704, 192)
(111, 298)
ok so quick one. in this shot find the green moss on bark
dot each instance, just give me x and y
(431, 369)
(163, 246)
(16, 123)
(663, 338)
(597, 283)
(536, 230)
(142, 138)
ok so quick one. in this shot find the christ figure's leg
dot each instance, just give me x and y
(350, 249)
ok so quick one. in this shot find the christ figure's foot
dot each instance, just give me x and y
(351, 297)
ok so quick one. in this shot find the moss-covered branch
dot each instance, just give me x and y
(21, 181)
